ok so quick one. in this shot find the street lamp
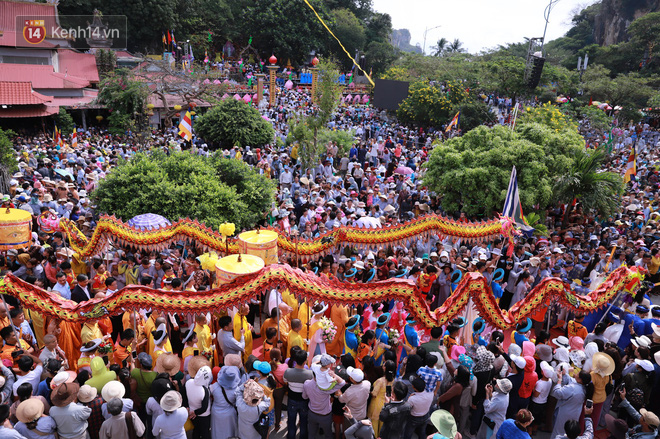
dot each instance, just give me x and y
(581, 68)
(425, 32)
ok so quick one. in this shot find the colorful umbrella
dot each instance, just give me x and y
(404, 170)
(149, 221)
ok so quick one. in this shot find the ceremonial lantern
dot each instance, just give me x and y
(177, 107)
(15, 229)
(99, 118)
(315, 61)
(151, 106)
(272, 59)
(230, 267)
(261, 243)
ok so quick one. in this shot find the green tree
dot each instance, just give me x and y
(379, 56)
(474, 112)
(305, 129)
(430, 105)
(505, 75)
(645, 31)
(184, 185)
(345, 139)
(8, 162)
(472, 171)
(352, 34)
(289, 29)
(440, 47)
(64, 121)
(654, 101)
(456, 46)
(126, 99)
(597, 192)
(233, 123)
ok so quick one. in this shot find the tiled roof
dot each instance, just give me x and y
(8, 39)
(36, 111)
(80, 65)
(9, 10)
(41, 76)
(20, 93)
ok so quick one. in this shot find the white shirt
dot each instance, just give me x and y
(543, 387)
(171, 426)
(33, 377)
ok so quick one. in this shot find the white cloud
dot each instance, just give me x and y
(479, 24)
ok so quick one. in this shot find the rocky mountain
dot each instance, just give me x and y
(400, 38)
(614, 17)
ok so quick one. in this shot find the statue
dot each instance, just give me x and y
(98, 32)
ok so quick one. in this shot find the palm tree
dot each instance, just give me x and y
(440, 47)
(456, 46)
(596, 190)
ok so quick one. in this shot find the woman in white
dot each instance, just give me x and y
(170, 424)
(251, 402)
(540, 394)
(495, 405)
(316, 343)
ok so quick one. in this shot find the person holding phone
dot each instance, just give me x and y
(358, 429)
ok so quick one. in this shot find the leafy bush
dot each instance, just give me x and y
(212, 190)
(344, 139)
(64, 121)
(233, 123)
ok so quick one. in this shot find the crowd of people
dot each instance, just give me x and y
(269, 366)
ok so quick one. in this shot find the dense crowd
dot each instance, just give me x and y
(334, 371)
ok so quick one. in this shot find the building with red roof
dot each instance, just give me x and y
(18, 99)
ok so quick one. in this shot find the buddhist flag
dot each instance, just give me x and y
(454, 122)
(631, 167)
(185, 127)
(513, 206)
(164, 40)
(74, 139)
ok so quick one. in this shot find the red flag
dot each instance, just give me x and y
(169, 37)
(591, 101)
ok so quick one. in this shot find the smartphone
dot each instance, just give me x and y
(134, 354)
(196, 352)
(589, 404)
(388, 391)
(124, 364)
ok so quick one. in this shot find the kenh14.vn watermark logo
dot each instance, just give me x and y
(75, 31)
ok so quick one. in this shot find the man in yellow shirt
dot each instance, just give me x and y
(204, 337)
(294, 337)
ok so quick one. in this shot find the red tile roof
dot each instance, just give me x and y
(41, 76)
(9, 10)
(81, 65)
(20, 93)
(35, 111)
(8, 39)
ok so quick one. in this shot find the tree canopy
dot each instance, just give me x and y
(212, 190)
(234, 122)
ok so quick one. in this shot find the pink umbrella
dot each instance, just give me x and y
(288, 85)
(217, 82)
(264, 117)
(404, 170)
(237, 97)
(225, 96)
(603, 105)
(226, 81)
(206, 81)
(247, 98)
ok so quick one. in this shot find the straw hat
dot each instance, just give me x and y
(196, 363)
(68, 376)
(444, 422)
(168, 363)
(87, 393)
(113, 389)
(252, 392)
(30, 410)
(603, 364)
(64, 394)
(171, 401)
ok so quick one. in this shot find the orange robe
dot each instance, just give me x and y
(70, 342)
(339, 316)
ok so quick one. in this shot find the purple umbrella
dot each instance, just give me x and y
(149, 221)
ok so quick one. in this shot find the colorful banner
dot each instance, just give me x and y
(315, 288)
(110, 229)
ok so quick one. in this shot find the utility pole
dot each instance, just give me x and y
(425, 32)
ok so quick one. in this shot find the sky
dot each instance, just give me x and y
(479, 24)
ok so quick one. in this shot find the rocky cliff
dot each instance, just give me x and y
(614, 17)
